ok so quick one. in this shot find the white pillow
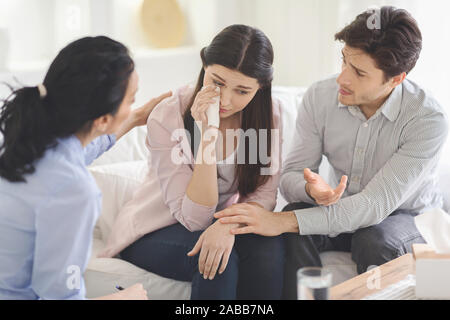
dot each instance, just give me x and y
(443, 174)
(118, 182)
(103, 274)
(290, 98)
(131, 147)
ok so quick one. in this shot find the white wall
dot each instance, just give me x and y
(38, 29)
(30, 25)
(301, 31)
(302, 36)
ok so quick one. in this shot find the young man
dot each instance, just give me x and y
(377, 128)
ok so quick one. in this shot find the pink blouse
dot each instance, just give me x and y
(161, 200)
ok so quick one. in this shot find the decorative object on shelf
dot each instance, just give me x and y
(4, 48)
(163, 23)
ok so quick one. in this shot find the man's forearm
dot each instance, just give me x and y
(288, 222)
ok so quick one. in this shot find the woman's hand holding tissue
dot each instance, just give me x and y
(203, 101)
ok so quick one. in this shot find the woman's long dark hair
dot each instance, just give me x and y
(249, 51)
(87, 79)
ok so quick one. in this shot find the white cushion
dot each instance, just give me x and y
(118, 181)
(103, 274)
(131, 147)
(444, 183)
(290, 98)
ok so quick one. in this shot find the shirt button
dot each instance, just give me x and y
(365, 125)
(355, 179)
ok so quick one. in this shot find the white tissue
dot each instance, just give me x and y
(213, 111)
(434, 225)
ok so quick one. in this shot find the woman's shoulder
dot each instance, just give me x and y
(169, 112)
(276, 112)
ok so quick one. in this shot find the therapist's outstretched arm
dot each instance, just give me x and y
(139, 116)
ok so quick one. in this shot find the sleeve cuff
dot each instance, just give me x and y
(304, 195)
(195, 216)
(292, 187)
(312, 221)
(112, 140)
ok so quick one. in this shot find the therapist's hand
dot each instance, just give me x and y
(215, 244)
(317, 188)
(135, 292)
(139, 116)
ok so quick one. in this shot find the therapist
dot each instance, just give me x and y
(49, 201)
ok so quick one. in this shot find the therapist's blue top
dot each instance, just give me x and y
(46, 223)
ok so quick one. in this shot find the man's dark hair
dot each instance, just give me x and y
(394, 41)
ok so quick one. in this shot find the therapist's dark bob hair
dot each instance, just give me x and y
(87, 79)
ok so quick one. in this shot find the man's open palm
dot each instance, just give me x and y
(320, 191)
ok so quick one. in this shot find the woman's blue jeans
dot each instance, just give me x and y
(254, 271)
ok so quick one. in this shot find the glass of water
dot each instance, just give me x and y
(313, 283)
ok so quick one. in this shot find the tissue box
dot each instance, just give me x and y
(432, 273)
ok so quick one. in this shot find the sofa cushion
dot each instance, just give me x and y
(444, 182)
(118, 182)
(103, 274)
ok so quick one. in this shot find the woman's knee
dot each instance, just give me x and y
(163, 251)
(230, 273)
(232, 267)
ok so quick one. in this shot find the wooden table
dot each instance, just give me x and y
(374, 280)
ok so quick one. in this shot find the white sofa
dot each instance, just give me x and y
(119, 171)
